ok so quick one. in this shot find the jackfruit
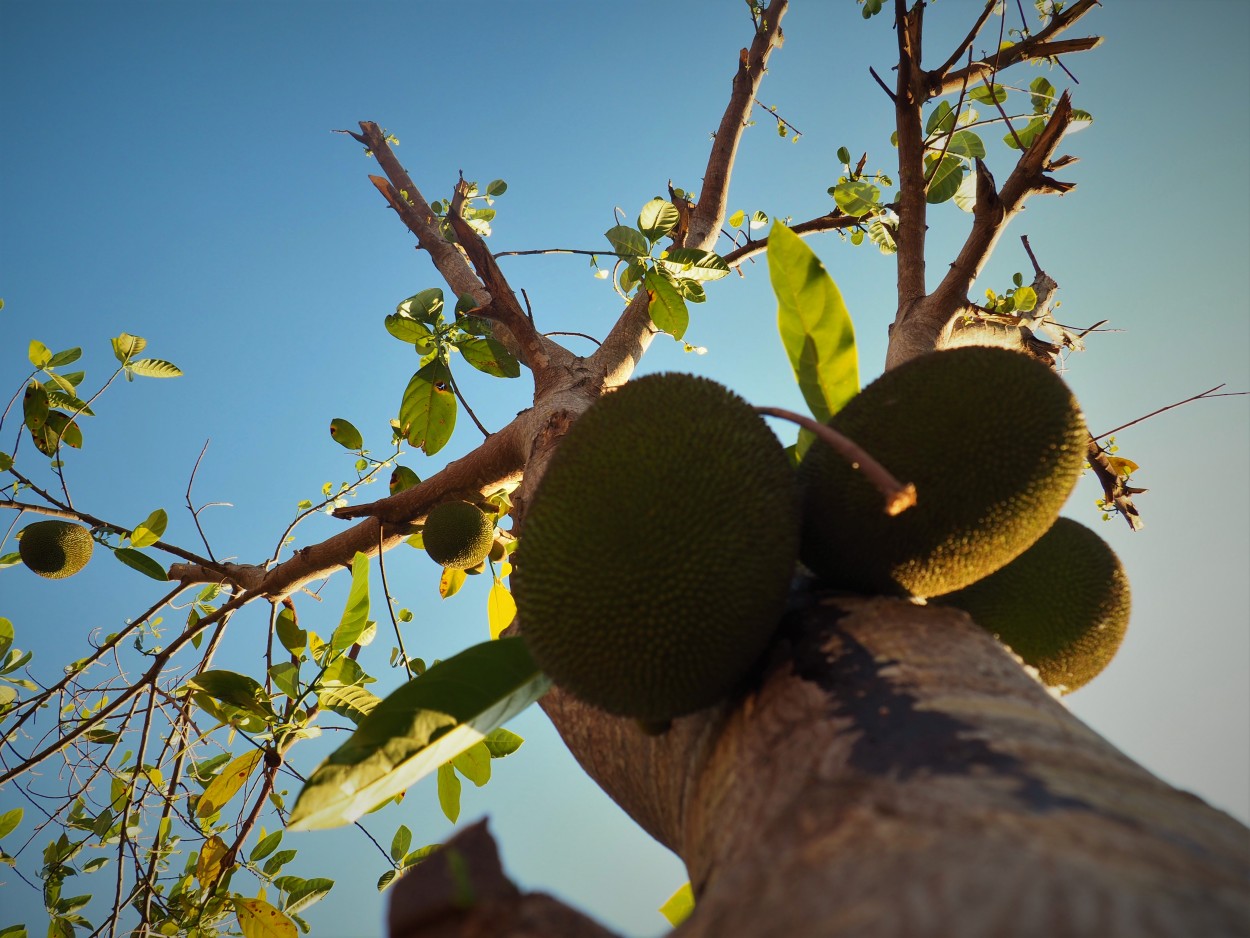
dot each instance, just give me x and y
(458, 534)
(993, 441)
(1062, 605)
(656, 554)
(55, 549)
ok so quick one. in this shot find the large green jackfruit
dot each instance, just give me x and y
(656, 555)
(55, 549)
(1062, 605)
(458, 535)
(993, 441)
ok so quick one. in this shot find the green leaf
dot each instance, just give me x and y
(984, 94)
(474, 764)
(489, 355)
(66, 357)
(402, 479)
(816, 329)
(657, 218)
(7, 635)
(410, 331)
(966, 195)
(150, 531)
(496, 187)
(941, 121)
(418, 728)
(1025, 299)
(127, 346)
(285, 676)
(881, 235)
(400, 842)
(35, 406)
(1042, 95)
(626, 241)
(1027, 135)
(233, 688)
(695, 264)
(6, 462)
(427, 413)
(154, 368)
(356, 614)
(501, 742)
(301, 893)
(268, 844)
(9, 821)
(345, 434)
(141, 562)
(426, 306)
(856, 197)
(678, 906)
(39, 354)
(966, 144)
(668, 309)
(945, 179)
(293, 638)
(353, 702)
(449, 792)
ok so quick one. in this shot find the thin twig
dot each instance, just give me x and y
(1205, 395)
(580, 335)
(195, 515)
(390, 607)
(898, 496)
(455, 389)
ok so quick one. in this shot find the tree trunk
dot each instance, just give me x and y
(894, 771)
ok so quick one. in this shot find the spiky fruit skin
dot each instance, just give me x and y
(458, 535)
(657, 553)
(993, 441)
(1063, 605)
(55, 549)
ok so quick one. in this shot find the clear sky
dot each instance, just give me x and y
(168, 170)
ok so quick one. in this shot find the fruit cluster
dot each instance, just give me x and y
(658, 551)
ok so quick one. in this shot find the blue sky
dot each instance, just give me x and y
(169, 171)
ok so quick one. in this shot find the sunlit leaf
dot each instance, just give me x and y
(35, 406)
(356, 614)
(233, 688)
(39, 354)
(678, 906)
(488, 355)
(227, 784)
(293, 638)
(984, 94)
(496, 187)
(627, 241)
(856, 197)
(966, 144)
(258, 919)
(737, 218)
(668, 309)
(66, 357)
(695, 264)
(267, 845)
(941, 121)
(208, 864)
(353, 702)
(474, 764)
(815, 326)
(150, 530)
(500, 608)
(449, 792)
(9, 821)
(427, 413)
(419, 727)
(426, 306)
(657, 218)
(127, 346)
(154, 368)
(450, 582)
(1025, 299)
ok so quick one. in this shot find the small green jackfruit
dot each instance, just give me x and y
(993, 441)
(55, 549)
(457, 534)
(656, 555)
(1062, 605)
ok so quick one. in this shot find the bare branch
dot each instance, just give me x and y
(709, 213)
(406, 199)
(834, 221)
(912, 208)
(1039, 46)
(965, 47)
(1204, 396)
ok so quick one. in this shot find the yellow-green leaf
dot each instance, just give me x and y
(449, 792)
(500, 608)
(450, 582)
(150, 531)
(226, 785)
(678, 906)
(815, 326)
(258, 919)
(345, 434)
(208, 864)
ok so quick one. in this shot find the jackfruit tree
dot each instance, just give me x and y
(818, 656)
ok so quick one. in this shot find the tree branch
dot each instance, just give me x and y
(921, 325)
(912, 209)
(834, 221)
(709, 213)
